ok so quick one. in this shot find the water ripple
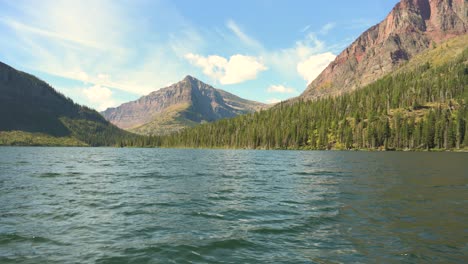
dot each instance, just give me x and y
(105, 205)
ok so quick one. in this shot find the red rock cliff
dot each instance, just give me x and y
(411, 27)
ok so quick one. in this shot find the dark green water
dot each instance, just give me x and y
(105, 205)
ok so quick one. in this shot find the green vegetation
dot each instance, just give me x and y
(423, 107)
(169, 121)
(46, 117)
(445, 52)
(21, 138)
(95, 133)
(78, 127)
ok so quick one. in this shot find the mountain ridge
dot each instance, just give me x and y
(31, 106)
(410, 28)
(182, 104)
(423, 106)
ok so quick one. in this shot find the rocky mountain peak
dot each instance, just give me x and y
(195, 83)
(189, 101)
(190, 78)
(410, 28)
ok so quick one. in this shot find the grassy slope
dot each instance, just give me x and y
(21, 138)
(178, 117)
(438, 55)
(169, 121)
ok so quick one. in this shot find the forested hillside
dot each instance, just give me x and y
(33, 113)
(422, 106)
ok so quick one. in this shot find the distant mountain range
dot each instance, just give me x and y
(33, 113)
(411, 67)
(30, 105)
(411, 27)
(401, 85)
(420, 106)
(184, 104)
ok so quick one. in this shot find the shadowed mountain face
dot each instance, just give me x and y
(186, 103)
(410, 28)
(30, 105)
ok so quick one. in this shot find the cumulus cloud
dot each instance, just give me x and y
(273, 100)
(310, 68)
(52, 37)
(237, 69)
(100, 96)
(280, 89)
(285, 61)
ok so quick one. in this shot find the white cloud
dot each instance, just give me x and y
(78, 40)
(280, 89)
(213, 66)
(126, 45)
(307, 58)
(99, 96)
(304, 29)
(285, 61)
(237, 69)
(310, 68)
(273, 100)
(50, 34)
(103, 76)
(327, 27)
(324, 30)
(241, 35)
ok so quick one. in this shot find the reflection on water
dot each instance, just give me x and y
(104, 205)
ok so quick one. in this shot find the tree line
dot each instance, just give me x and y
(425, 108)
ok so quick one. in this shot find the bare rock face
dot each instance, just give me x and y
(411, 27)
(182, 104)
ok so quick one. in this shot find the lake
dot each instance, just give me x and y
(111, 205)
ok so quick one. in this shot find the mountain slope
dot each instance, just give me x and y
(424, 105)
(183, 104)
(30, 105)
(410, 28)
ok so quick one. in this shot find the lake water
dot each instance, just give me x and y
(108, 205)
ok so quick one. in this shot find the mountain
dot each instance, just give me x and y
(421, 106)
(32, 112)
(183, 104)
(411, 27)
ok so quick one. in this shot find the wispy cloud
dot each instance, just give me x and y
(304, 29)
(327, 27)
(18, 26)
(243, 36)
(117, 48)
(95, 42)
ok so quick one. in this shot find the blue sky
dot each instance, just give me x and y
(102, 53)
